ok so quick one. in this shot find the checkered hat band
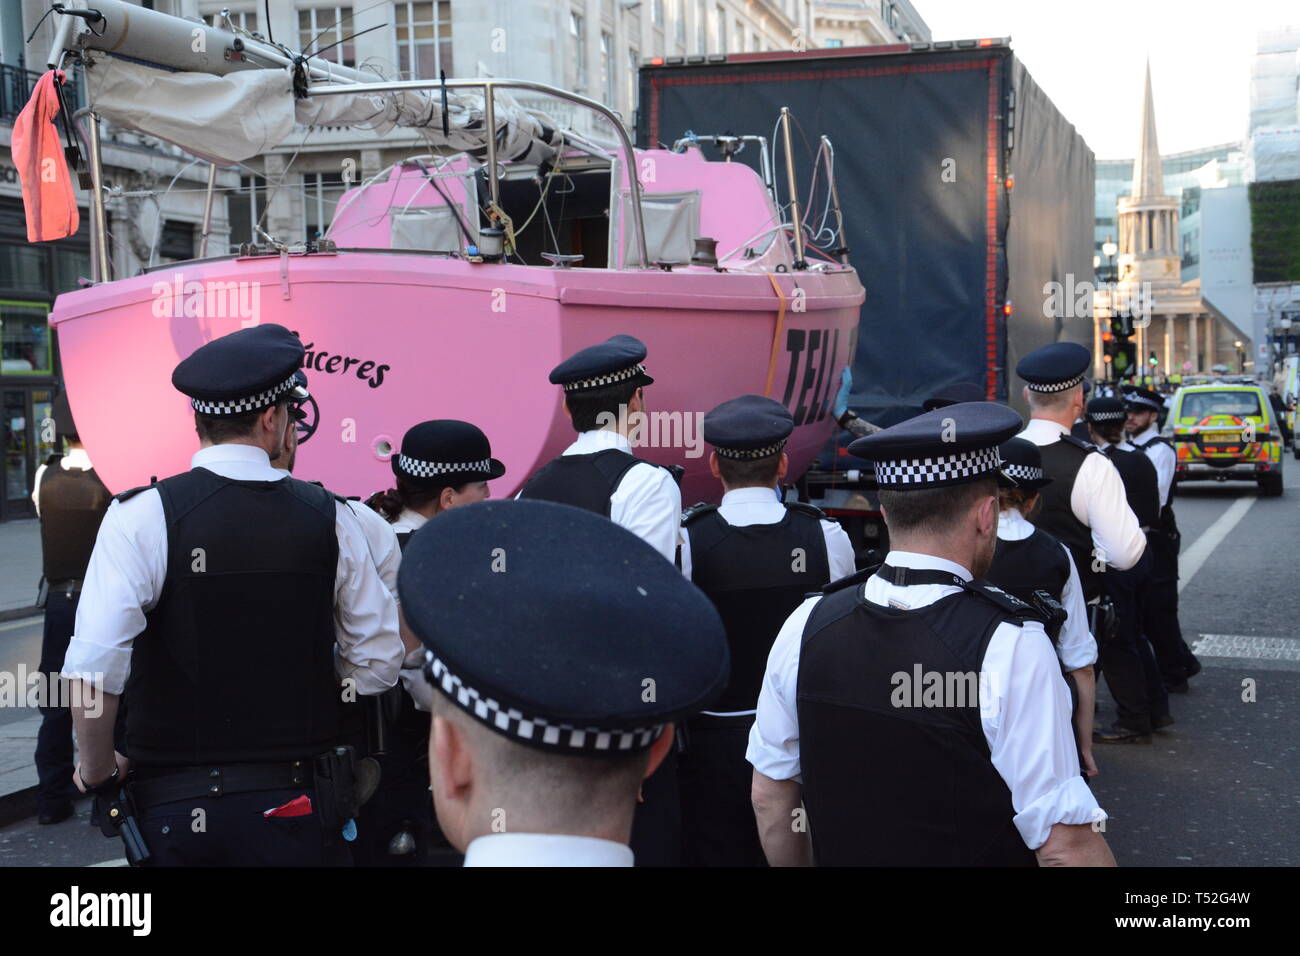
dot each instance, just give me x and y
(1023, 472)
(609, 378)
(432, 469)
(749, 454)
(1107, 416)
(241, 405)
(941, 469)
(1054, 386)
(515, 723)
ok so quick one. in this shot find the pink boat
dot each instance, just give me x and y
(410, 309)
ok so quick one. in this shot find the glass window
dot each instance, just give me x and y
(657, 12)
(325, 32)
(834, 44)
(1198, 405)
(679, 21)
(25, 338)
(69, 266)
(423, 33)
(242, 19)
(578, 48)
(722, 30)
(177, 241)
(322, 194)
(24, 267)
(606, 67)
(244, 207)
(16, 444)
(701, 26)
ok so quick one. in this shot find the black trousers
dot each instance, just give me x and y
(1122, 662)
(232, 831)
(1160, 617)
(54, 765)
(718, 825)
(657, 822)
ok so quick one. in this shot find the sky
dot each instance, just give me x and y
(1089, 55)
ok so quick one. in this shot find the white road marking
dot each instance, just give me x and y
(1247, 646)
(21, 622)
(1191, 560)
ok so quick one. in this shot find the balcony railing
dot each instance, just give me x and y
(16, 85)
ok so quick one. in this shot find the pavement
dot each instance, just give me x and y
(20, 567)
(1218, 789)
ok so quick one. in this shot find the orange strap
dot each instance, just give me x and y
(776, 337)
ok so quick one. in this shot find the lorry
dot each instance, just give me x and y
(945, 176)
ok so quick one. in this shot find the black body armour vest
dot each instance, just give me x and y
(755, 575)
(236, 662)
(73, 503)
(1141, 484)
(1035, 563)
(888, 785)
(1168, 520)
(584, 481)
(1061, 462)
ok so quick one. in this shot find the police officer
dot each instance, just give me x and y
(70, 501)
(756, 558)
(442, 464)
(563, 650)
(229, 602)
(1126, 657)
(983, 772)
(1084, 507)
(1176, 660)
(604, 386)
(1028, 559)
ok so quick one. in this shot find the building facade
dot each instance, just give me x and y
(840, 23)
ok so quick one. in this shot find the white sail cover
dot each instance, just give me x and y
(230, 118)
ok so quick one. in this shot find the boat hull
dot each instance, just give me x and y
(397, 338)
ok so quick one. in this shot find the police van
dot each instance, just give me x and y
(1225, 430)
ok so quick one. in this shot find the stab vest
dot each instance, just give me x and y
(1141, 484)
(1168, 520)
(1035, 563)
(888, 785)
(72, 504)
(236, 661)
(1061, 462)
(584, 481)
(755, 575)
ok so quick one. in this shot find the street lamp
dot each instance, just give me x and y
(1241, 357)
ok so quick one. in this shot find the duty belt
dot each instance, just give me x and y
(151, 786)
(66, 586)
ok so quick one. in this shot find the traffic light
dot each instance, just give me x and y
(1152, 360)
(1125, 362)
(1121, 326)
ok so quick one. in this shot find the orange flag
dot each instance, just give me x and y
(38, 155)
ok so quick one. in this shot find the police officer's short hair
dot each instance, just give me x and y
(222, 428)
(589, 407)
(933, 510)
(749, 473)
(1113, 432)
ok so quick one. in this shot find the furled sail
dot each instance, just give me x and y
(236, 97)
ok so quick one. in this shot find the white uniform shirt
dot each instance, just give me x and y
(76, 458)
(413, 679)
(545, 849)
(408, 520)
(746, 506)
(129, 564)
(1075, 645)
(1098, 501)
(1026, 724)
(1161, 455)
(647, 500)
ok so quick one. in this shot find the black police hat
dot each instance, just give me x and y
(1143, 399)
(617, 360)
(948, 446)
(446, 452)
(1055, 367)
(748, 427)
(242, 372)
(1103, 409)
(1023, 462)
(953, 395)
(559, 629)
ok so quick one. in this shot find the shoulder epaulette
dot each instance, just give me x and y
(696, 510)
(337, 497)
(132, 492)
(1078, 442)
(1015, 608)
(806, 508)
(849, 580)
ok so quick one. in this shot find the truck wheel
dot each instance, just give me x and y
(1270, 486)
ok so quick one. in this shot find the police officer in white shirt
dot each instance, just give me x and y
(604, 387)
(1176, 660)
(916, 713)
(564, 650)
(756, 558)
(236, 608)
(1084, 507)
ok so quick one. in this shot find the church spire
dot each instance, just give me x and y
(1148, 178)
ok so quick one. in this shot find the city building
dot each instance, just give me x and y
(1187, 330)
(868, 23)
